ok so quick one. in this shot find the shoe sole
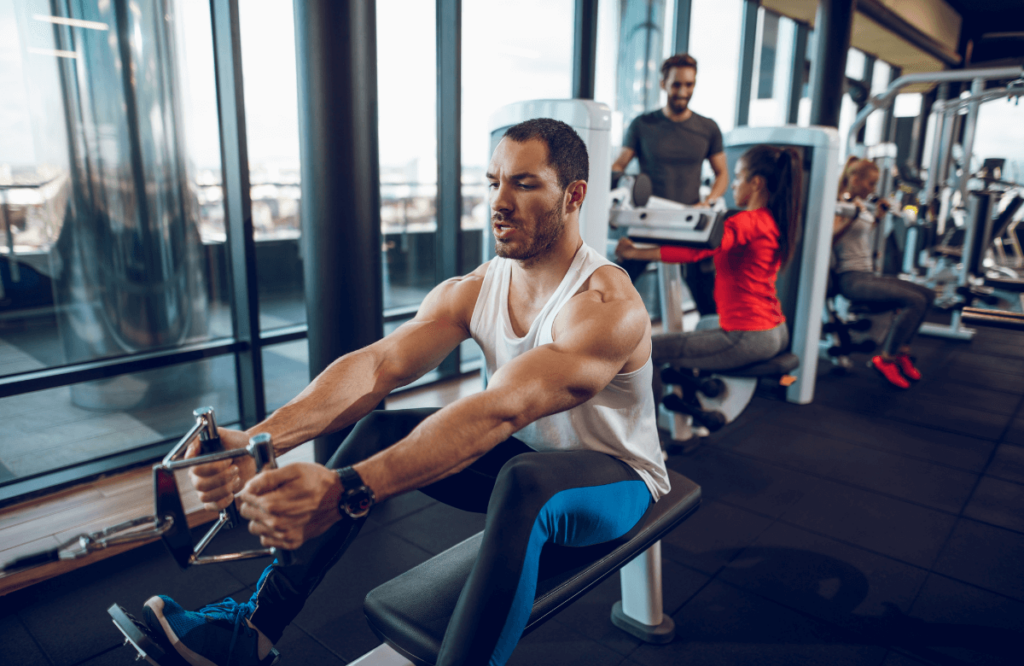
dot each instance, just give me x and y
(154, 610)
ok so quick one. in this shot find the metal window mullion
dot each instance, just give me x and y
(241, 246)
(867, 79)
(584, 59)
(798, 66)
(49, 378)
(449, 153)
(748, 40)
(889, 117)
(681, 34)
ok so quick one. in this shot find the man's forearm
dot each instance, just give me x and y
(718, 187)
(347, 390)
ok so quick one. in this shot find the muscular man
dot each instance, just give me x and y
(562, 446)
(671, 145)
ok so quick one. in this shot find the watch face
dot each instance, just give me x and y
(358, 503)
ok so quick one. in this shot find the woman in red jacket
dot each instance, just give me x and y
(756, 243)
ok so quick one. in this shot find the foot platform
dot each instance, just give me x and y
(145, 642)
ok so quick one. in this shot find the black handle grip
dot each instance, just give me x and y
(213, 445)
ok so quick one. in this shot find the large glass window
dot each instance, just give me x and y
(111, 244)
(272, 134)
(103, 248)
(511, 52)
(772, 69)
(856, 63)
(874, 129)
(715, 27)
(407, 127)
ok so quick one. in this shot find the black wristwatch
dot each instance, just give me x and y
(356, 496)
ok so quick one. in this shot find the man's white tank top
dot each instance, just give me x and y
(620, 420)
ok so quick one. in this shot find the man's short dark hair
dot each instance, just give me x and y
(678, 60)
(567, 153)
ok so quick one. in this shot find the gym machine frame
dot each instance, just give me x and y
(938, 170)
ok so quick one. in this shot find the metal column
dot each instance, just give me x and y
(681, 35)
(234, 158)
(336, 58)
(796, 78)
(833, 25)
(447, 244)
(748, 40)
(977, 87)
(584, 52)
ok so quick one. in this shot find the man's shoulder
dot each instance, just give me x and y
(704, 122)
(458, 295)
(609, 283)
(650, 119)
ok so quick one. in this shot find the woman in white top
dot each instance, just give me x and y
(852, 245)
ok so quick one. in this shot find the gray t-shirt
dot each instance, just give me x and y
(672, 153)
(854, 248)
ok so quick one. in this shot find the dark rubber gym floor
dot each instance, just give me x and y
(874, 527)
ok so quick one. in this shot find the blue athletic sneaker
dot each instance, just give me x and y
(215, 635)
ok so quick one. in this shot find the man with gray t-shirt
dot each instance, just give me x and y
(671, 145)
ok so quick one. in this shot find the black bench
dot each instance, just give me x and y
(411, 612)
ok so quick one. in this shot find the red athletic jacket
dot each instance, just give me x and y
(746, 265)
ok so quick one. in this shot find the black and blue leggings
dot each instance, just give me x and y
(572, 498)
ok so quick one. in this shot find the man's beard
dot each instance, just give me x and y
(678, 106)
(548, 230)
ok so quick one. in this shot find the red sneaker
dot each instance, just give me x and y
(906, 366)
(890, 372)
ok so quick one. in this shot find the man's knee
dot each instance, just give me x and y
(524, 474)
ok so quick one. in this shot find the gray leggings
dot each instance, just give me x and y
(911, 302)
(715, 349)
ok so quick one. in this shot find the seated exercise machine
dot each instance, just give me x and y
(411, 612)
(710, 399)
(842, 316)
(706, 400)
(951, 266)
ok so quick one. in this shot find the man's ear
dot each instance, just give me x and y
(575, 193)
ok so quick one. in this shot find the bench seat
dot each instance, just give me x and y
(411, 612)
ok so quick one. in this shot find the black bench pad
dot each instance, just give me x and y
(778, 365)
(411, 612)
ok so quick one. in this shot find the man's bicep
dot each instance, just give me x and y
(548, 379)
(593, 340)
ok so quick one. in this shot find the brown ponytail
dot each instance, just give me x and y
(782, 171)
